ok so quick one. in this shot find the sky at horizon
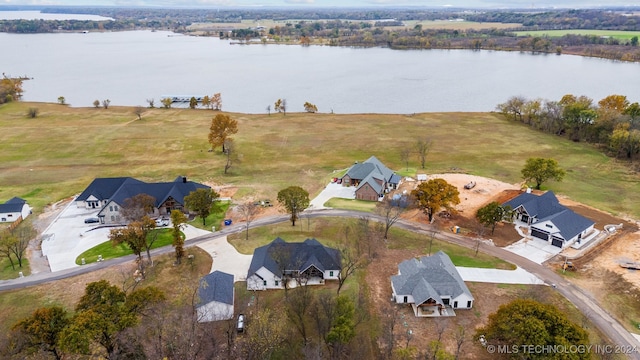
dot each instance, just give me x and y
(331, 3)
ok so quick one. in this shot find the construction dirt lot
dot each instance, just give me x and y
(624, 245)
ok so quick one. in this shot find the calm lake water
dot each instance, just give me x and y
(130, 67)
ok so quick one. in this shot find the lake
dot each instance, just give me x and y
(130, 67)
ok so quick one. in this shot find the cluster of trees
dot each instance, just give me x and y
(10, 89)
(613, 123)
(526, 322)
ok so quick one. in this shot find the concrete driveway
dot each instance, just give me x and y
(226, 258)
(332, 190)
(534, 249)
(497, 276)
(68, 236)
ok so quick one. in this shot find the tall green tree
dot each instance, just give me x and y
(102, 316)
(43, 328)
(222, 127)
(435, 194)
(203, 202)
(528, 322)
(294, 199)
(343, 328)
(492, 213)
(541, 170)
(177, 220)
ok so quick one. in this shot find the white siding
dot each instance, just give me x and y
(327, 274)
(215, 311)
(462, 300)
(256, 283)
(9, 217)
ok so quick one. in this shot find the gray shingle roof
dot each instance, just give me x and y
(12, 205)
(429, 277)
(546, 207)
(371, 166)
(217, 286)
(294, 256)
(119, 189)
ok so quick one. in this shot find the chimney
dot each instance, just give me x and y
(184, 179)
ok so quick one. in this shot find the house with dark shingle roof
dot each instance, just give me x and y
(15, 209)
(281, 264)
(109, 194)
(549, 220)
(371, 178)
(431, 285)
(215, 297)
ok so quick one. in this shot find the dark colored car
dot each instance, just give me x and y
(91, 220)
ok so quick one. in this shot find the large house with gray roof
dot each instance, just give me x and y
(371, 178)
(279, 264)
(549, 220)
(431, 285)
(109, 194)
(215, 297)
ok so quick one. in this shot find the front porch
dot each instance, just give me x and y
(426, 310)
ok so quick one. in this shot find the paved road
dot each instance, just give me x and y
(583, 300)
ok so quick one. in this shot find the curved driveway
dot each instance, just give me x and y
(583, 300)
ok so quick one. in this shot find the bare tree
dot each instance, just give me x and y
(230, 153)
(432, 236)
(405, 154)
(297, 306)
(249, 211)
(137, 206)
(23, 234)
(391, 319)
(351, 259)
(436, 347)
(422, 149)
(106, 103)
(461, 337)
(390, 210)
(139, 110)
(268, 110)
(151, 103)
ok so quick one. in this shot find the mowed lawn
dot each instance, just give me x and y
(617, 34)
(57, 154)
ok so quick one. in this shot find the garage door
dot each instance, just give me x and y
(556, 242)
(539, 234)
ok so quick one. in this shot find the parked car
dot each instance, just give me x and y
(162, 222)
(240, 324)
(91, 220)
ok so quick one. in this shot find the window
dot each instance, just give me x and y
(113, 218)
(406, 299)
(276, 282)
(111, 208)
(115, 208)
(455, 304)
(264, 283)
(469, 304)
(9, 215)
(330, 273)
(549, 226)
(445, 301)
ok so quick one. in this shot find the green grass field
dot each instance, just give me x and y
(108, 251)
(330, 231)
(50, 157)
(621, 35)
(351, 204)
(8, 272)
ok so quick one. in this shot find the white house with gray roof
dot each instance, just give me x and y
(431, 285)
(371, 178)
(15, 209)
(549, 220)
(281, 263)
(215, 295)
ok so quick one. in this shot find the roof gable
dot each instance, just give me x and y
(280, 255)
(370, 167)
(568, 223)
(13, 205)
(218, 287)
(429, 277)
